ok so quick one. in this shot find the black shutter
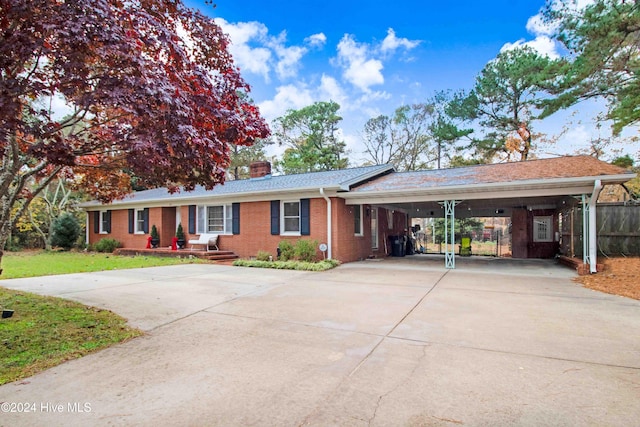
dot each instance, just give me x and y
(145, 224)
(235, 221)
(96, 222)
(275, 217)
(132, 214)
(108, 218)
(192, 219)
(305, 222)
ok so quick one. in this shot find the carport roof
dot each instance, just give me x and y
(555, 169)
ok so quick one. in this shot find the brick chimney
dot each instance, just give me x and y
(259, 169)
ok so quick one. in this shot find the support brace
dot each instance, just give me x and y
(449, 233)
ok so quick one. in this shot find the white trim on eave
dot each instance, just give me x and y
(495, 190)
(209, 199)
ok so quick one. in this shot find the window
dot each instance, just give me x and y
(105, 222)
(374, 228)
(214, 219)
(140, 221)
(357, 220)
(543, 229)
(291, 217)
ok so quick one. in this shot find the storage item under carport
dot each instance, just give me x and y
(398, 244)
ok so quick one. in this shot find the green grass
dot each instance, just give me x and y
(46, 331)
(43, 263)
(289, 265)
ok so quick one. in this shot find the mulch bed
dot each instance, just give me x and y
(621, 276)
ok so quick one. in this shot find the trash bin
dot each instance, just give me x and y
(397, 245)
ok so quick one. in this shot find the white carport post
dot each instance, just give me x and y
(449, 233)
(589, 232)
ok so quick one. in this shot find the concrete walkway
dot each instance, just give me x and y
(382, 343)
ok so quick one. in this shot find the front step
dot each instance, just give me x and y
(221, 256)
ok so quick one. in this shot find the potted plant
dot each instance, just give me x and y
(155, 237)
(180, 236)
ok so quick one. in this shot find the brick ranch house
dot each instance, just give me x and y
(354, 211)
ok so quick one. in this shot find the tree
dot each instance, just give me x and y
(604, 57)
(403, 140)
(241, 157)
(65, 231)
(445, 129)
(504, 101)
(150, 86)
(311, 137)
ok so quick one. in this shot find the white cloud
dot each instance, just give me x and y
(256, 51)
(289, 57)
(287, 97)
(316, 40)
(362, 63)
(254, 59)
(359, 69)
(330, 89)
(391, 43)
(537, 26)
(541, 44)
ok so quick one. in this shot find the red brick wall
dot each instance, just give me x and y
(255, 229)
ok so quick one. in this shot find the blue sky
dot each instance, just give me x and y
(373, 56)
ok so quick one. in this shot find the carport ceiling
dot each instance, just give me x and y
(482, 207)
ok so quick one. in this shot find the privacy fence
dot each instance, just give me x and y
(618, 227)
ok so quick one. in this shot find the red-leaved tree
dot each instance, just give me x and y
(148, 88)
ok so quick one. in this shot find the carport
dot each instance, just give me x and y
(530, 193)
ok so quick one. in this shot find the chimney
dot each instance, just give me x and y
(259, 169)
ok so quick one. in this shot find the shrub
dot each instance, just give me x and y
(289, 265)
(287, 251)
(263, 256)
(107, 245)
(305, 250)
(65, 231)
(180, 232)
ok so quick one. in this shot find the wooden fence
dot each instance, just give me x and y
(618, 227)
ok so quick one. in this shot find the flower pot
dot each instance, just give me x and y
(7, 313)
(181, 243)
(155, 243)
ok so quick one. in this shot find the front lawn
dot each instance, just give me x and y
(43, 263)
(46, 331)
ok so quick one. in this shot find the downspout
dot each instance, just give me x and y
(329, 222)
(593, 234)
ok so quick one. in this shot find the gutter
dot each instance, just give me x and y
(329, 223)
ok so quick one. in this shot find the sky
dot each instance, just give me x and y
(372, 57)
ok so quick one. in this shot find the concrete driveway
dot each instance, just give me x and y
(393, 342)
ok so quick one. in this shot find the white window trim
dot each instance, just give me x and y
(282, 218)
(361, 231)
(102, 230)
(548, 220)
(135, 221)
(227, 218)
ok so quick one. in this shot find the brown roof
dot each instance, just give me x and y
(542, 169)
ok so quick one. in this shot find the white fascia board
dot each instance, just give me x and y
(500, 190)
